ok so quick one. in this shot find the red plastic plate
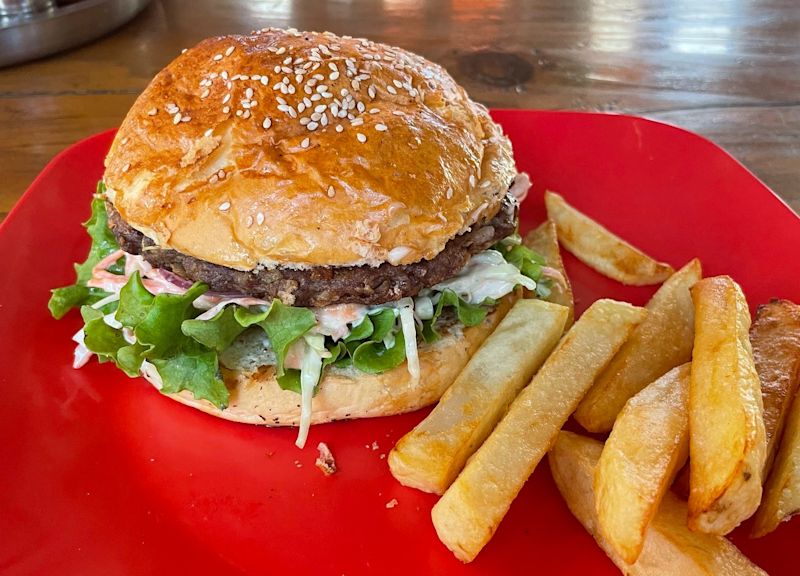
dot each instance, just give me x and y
(103, 475)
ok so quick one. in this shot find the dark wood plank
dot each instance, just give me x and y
(727, 69)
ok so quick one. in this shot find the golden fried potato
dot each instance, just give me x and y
(471, 509)
(544, 241)
(646, 448)
(775, 337)
(669, 549)
(433, 453)
(727, 444)
(601, 249)
(661, 342)
(782, 490)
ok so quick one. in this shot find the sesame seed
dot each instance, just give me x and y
(266, 123)
(176, 118)
(361, 138)
(217, 57)
(397, 83)
(152, 112)
(281, 50)
(301, 107)
(260, 218)
(288, 60)
(320, 107)
(214, 179)
(333, 76)
(124, 141)
(398, 113)
(224, 75)
(238, 112)
(322, 88)
(472, 179)
(357, 122)
(249, 221)
(225, 206)
(371, 91)
(226, 109)
(184, 51)
(221, 174)
(331, 192)
(205, 93)
(324, 119)
(246, 114)
(248, 93)
(265, 80)
(126, 167)
(256, 76)
(315, 97)
(305, 142)
(381, 127)
(374, 110)
(312, 126)
(227, 98)
(230, 50)
(360, 106)
(185, 118)
(391, 90)
(208, 132)
(449, 193)
(339, 127)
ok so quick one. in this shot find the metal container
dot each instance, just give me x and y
(31, 29)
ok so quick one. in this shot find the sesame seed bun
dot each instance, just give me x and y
(256, 398)
(222, 159)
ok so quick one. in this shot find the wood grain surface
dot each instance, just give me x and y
(727, 69)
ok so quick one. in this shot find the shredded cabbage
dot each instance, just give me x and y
(487, 276)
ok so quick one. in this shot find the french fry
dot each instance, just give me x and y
(646, 448)
(601, 249)
(661, 342)
(544, 241)
(782, 490)
(669, 547)
(776, 348)
(471, 509)
(727, 443)
(433, 453)
(775, 337)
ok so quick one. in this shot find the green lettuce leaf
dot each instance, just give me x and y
(217, 333)
(373, 357)
(196, 371)
(64, 299)
(468, 314)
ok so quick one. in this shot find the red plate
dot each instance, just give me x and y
(103, 475)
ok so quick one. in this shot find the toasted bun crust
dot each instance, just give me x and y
(257, 399)
(220, 158)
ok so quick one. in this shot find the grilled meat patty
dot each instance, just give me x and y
(322, 285)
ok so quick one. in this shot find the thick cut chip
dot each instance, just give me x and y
(782, 491)
(775, 337)
(467, 515)
(727, 444)
(776, 347)
(670, 548)
(601, 249)
(433, 453)
(661, 342)
(544, 241)
(646, 448)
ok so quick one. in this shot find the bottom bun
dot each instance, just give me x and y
(256, 398)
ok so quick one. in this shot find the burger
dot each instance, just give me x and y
(297, 227)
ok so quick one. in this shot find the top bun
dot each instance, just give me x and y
(299, 149)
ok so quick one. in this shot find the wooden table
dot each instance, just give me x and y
(727, 69)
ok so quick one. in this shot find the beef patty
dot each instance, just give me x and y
(322, 285)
